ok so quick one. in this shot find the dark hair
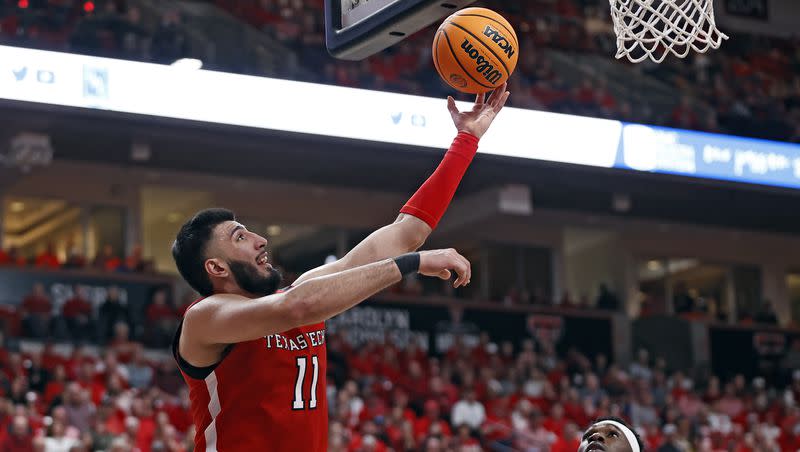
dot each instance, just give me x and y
(189, 249)
(616, 419)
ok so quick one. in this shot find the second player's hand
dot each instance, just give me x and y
(439, 263)
(478, 120)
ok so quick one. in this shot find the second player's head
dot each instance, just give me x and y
(610, 434)
(215, 253)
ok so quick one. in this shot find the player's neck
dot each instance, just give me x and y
(230, 287)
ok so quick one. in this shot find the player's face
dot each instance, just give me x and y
(604, 437)
(248, 261)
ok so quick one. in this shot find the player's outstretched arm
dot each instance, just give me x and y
(421, 214)
(228, 319)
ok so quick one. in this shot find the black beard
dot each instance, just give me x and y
(248, 278)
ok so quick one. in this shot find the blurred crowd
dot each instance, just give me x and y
(106, 260)
(751, 86)
(107, 28)
(501, 397)
(100, 316)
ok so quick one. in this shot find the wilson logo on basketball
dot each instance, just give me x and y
(483, 66)
(500, 40)
(458, 80)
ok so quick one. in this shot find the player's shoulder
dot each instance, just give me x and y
(210, 304)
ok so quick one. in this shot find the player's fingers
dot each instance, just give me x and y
(497, 94)
(467, 270)
(451, 105)
(502, 102)
(444, 274)
(480, 99)
(462, 270)
(492, 98)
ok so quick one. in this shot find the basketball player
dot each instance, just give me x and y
(254, 357)
(610, 434)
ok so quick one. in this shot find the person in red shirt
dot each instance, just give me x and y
(107, 260)
(161, 319)
(48, 258)
(16, 257)
(254, 357)
(432, 417)
(556, 421)
(55, 387)
(134, 262)
(36, 310)
(5, 259)
(464, 441)
(77, 314)
(20, 438)
(569, 441)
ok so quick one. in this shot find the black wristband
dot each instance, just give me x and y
(407, 263)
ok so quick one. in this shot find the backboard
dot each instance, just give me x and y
(357, 29)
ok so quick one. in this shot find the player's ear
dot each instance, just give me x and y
(216, 267)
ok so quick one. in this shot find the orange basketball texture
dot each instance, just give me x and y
(475, 50)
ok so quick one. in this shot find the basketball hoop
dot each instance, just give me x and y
(655, 28)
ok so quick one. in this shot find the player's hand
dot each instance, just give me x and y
(478, 120)
(439, 263)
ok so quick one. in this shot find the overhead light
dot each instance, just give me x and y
(621, 202)
(17, 206)
(188, 63)
(654, 265)
(274, 230)
(140, 152)
(174, 217)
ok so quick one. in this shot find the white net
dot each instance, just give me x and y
(656, 28)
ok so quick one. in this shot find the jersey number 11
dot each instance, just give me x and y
(299, 403)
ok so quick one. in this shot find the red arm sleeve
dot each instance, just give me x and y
(432, 199)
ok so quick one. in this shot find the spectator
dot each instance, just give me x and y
(102, 438)
(766, 314)
(19, 438)
(38, 376)
(55, 386)
(36, 311)
(140, 374)
(107, 260)
(48, 258)
(570, 441)
(170, 43)
(606, 299)
(79, 407)
(430, 420)
(134, 262)
(77, 315)
(464, 441)
(121, 344)
(468, 411)
(161, 320)
(57, 440)
(670, 443)
(5, 258)
(16, 257)
(75, 257)
(112, 312)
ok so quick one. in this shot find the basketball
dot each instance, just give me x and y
(475, 50)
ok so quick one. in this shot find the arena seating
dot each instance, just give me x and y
(492, 397)
(749, 87)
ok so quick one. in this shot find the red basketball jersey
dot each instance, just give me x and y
(265, 395)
